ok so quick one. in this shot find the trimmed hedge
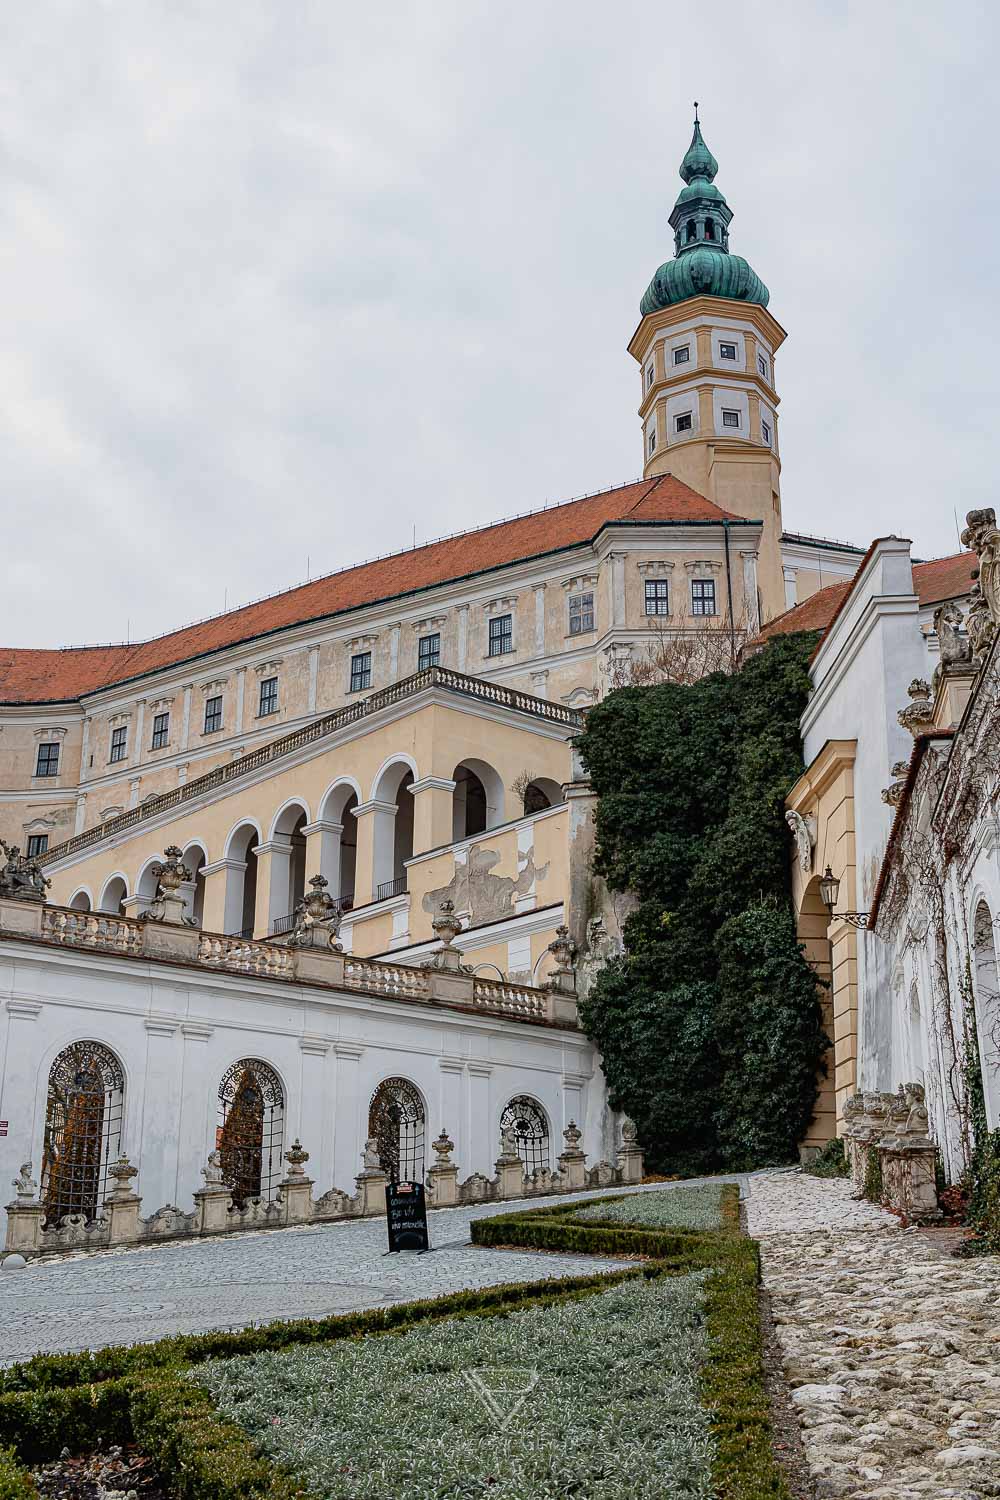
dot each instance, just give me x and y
(15, 1484)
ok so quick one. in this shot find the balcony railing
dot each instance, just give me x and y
(390, 888)
(288, 744)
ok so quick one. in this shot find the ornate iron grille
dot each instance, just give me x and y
(250, 1132)
(527, 1119)
(83, 1124)
(396, 1123)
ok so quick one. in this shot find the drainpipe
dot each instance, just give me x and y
(729, 596)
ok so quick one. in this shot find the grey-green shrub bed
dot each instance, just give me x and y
(615, 1410)
(675, 1208)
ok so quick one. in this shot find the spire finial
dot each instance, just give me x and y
(696, 121)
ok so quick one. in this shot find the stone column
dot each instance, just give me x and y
(162, 1107)
(241, 689)
(316, 1099)
(375, 821)
(81, 812)
(274, 859)
(186, 716)
(432, 812)
(617, 588)
(313, 679)
(393, 652)
(479, 1117)
(199, 1090)
(539, 619)
(463, 637)
(223, 907)
(323, 852)
(350, 1110)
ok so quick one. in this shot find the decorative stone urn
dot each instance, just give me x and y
(169, 905)
(296, 1187)
(446, 927)
(317, 919)
(443, 1175)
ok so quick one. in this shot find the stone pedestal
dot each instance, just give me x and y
(296, 1187)
(510, 1176)
(573, 1161)
(630, 1156)
(319, 966)
(24, 1227)
(909, 1181)
(212, 1204)
(21, 917)
(164, 940)
(371, 1185)
(443, 1185)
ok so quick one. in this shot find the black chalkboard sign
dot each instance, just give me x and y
(406, 1216)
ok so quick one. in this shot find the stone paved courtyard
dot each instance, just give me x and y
(130, 1296)
(892, 1348)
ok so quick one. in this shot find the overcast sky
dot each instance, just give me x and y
(286, 284)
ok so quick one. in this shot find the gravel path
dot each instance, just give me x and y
(84, 1301)
(892, 1350)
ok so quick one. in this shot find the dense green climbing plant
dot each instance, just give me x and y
(709, 1025)
(983, 1181)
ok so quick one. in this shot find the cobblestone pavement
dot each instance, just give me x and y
(130, 1296)
(892, 1349)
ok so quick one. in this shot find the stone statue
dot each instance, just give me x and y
(893, 794)
(630, 1131)
(918, 715)
(212, 1170)
(24, 1182)
(370, 1159)
(804, 834)
(983, 538)
(317, 919)
(955, 648)
(917, 1121)
(21, 878)
(508, 1142)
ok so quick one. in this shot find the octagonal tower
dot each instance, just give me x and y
(706, 350)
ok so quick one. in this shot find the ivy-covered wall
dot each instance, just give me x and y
(709, 1025)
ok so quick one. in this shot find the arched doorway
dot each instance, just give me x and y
(987, 988)
(812, 928)
(193, 860)
(241, 881)
(113, 896)
(249, 1135)
(478, 799)
(393, 831)
(288, 866)
(541, 793)
(83, 1121)
(526, 1117)
(81, 901)
(396, 1124)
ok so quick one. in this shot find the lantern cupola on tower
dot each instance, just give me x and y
(702, 264)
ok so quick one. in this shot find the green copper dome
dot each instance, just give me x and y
(702, 265)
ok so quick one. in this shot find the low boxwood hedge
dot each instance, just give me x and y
(15, 1484)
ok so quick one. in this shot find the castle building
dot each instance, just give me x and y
(402, 729)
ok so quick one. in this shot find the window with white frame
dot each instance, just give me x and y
(268, 697)
(501, 635)
(119, 743)
(730, 418)
(161, 731)
(428, 652)
(703, 596)
(657, 596)
(581, 613)
(38, 843)
(47, 762)
(765, 431)
(682, 354)
(361, 671)
(650, 374)
(727, 351)
(213, 714)
(651, 440)
(762, 365)
(683, 422)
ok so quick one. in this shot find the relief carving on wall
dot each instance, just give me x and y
(485, 896)
(804, 833)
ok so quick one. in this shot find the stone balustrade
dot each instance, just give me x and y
(216, 1212)
(891, 1157)
(318, 962)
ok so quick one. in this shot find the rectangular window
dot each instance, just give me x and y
(47, 763)
(682, 355)
(727, 351)
(682, 423)
(161, 731)
(762, 365)
(765, 432)
(119, 743)
(361, 671)
(428, 652)
(730, 418)
(37, 844)
(581, 613)
(651, 440)
(657, 596)
(650, 375)
(703, 596)
(501, 635)
(213, 714)
(268, 697)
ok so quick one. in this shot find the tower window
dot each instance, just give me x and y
(501, 635)
(657, 596)
(762, 365)
(683, 422)
(119, 743)
(581, 613)
(428, 652)
(765, 432)
(682, 355)
(651, 440)
(709, 230)
(650, 375)
(727, 351)
(730, 418)
(161, 731)
(47, 763)
(703, 596)
(38, 843)
(692, 233)
(213, 715)
(361, 671)
(268, 697)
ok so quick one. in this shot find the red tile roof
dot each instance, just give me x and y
(941, 578)
(40, 676)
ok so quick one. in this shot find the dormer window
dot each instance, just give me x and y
(727, 351)
(683, 422)
(682, 354)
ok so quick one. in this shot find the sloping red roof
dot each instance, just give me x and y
(39, 676)
(941, 578)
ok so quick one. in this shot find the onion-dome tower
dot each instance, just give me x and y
(705, 347)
